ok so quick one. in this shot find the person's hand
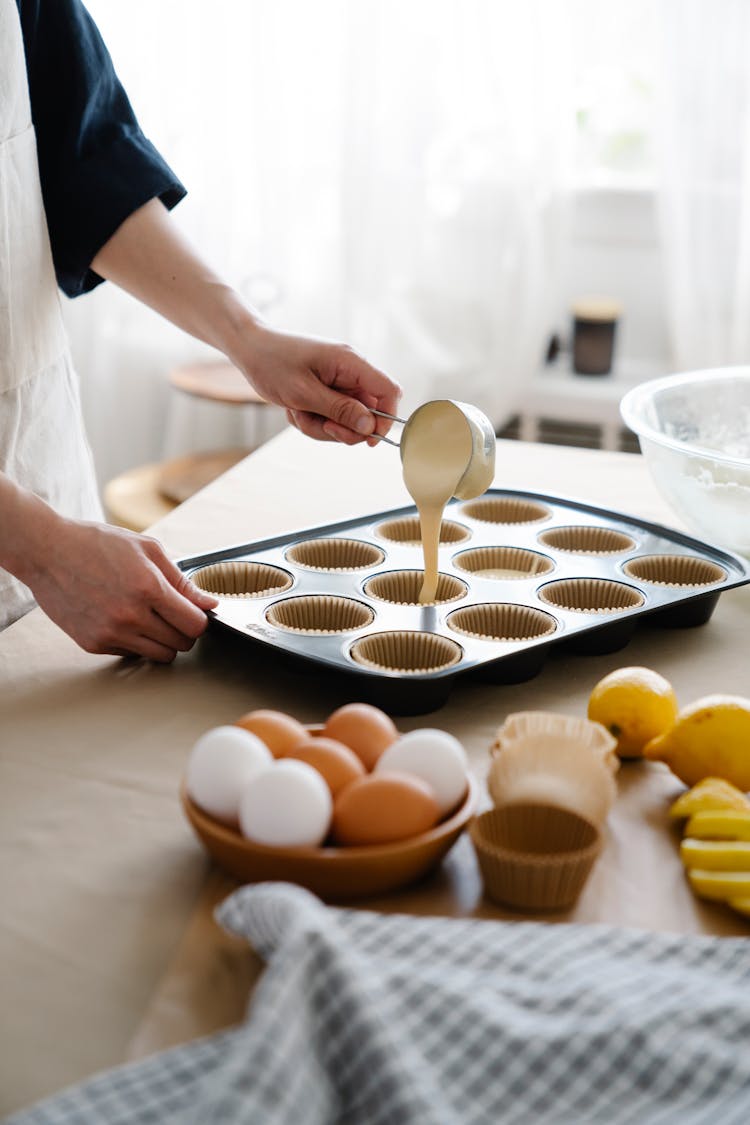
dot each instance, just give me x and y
(326, 389)
(116, 592)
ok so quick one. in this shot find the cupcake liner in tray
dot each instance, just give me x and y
(521, 572)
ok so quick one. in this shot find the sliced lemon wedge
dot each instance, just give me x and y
(719, 824)
(716, 855)
(720, 886)
(709, 795)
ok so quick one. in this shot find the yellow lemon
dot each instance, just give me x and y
(635, 705)
(712, 794)
(741, 905)
(710, 738)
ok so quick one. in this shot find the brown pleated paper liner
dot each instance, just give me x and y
(502, 621)
(591, 595)
(407, 533)
(675, 570)
(334, 554)
(505, 509)
(242, 579)
(319, 614)
(587, 540)
(406, 652)
(534, 856)
(503, 562)
(401, 587)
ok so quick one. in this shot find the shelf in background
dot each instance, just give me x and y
(562, 407)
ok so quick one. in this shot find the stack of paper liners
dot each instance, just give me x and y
(556, 760)
(549, 773)
(552, 783)
(567, 728)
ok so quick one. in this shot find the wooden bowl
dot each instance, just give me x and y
(332, 872)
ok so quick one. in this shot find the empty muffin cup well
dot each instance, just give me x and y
(675, 570)
(502, 621)
(591, 595)
(334, 554)
(319, 614)
(587, 540)
(505, 509)
(405, 652)
(242, 579)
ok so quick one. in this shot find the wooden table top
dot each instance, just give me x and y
(107, 947)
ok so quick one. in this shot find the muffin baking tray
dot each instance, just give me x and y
(520, 572)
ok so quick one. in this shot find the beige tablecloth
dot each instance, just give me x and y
(107, 948)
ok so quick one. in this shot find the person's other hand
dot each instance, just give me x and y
(116, 592)
(326, 389)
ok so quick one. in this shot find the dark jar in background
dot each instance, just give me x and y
(594, 325)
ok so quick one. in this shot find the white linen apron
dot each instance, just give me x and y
(43, 445)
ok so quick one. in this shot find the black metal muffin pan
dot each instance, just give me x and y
(343, 595)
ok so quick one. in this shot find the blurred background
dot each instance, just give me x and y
(437, 183)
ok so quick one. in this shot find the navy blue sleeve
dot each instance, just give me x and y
(95, 164)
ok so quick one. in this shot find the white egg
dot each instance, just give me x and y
(287, 805)
(221, 763)
(435, 756)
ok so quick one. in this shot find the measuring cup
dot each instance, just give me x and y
(480, 466)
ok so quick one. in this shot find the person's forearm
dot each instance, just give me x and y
(151, 259)
(26, 530)
(326, 389)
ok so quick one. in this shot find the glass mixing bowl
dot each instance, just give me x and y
(694, 431)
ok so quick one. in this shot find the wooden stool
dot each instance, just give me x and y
(219, 381)
(141, 496)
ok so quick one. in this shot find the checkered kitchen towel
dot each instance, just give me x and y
(367, 1019)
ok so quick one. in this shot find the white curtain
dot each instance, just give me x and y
(704, 179)
(388, 173)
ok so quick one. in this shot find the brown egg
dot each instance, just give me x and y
(337, 763)
(367, 730)
(280, 732)
(383, 807)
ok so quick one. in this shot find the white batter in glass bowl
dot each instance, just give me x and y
(694, 431)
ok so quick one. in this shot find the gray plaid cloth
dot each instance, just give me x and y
(362, 1018)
